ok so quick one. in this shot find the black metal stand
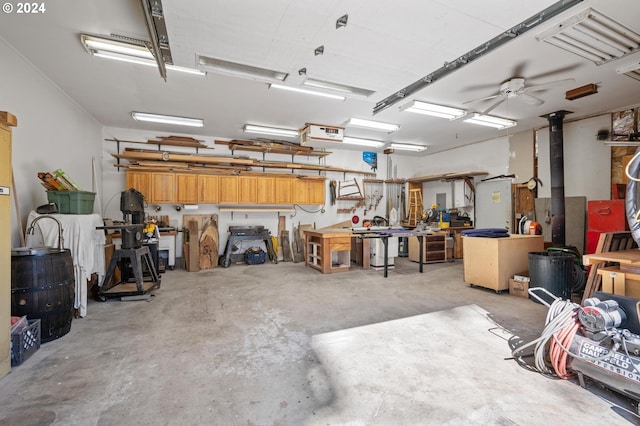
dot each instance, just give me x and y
(264, 235)
(137, 257)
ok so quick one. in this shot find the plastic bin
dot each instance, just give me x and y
(552, 271)
(72, 202)
(25, 343)
(254, 256)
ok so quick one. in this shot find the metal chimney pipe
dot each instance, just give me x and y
(556, 157)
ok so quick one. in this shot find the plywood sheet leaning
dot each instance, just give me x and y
(209, 244)
(193, 249)
(286, 246)
(299, 252)
(282, 226)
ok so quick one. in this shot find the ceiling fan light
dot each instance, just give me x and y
(374, 125)
(167, 119)
(274, 131)
(434, 110)
(408, 147)
(491, 121)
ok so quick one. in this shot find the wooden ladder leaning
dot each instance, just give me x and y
(415, 207)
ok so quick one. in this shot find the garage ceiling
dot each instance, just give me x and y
(384, 47)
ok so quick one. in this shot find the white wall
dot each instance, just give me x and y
(320, 216)
(587, 161)
(53, 132)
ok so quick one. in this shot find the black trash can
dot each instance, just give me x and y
(552, 271)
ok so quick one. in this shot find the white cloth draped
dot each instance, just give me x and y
(83, 240)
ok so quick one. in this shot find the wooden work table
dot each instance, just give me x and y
(329, 250)
(622, 279)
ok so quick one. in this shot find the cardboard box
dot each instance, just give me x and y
(518, 288)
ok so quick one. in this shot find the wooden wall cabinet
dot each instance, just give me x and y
(266, 190)
(163, 187)
(192, 188)
(283, 191)
(308, 191)
(208, 189)
(187, 188)
(141, 181)
(228, 192)
(247, 190)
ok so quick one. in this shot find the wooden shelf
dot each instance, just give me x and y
(267, 148)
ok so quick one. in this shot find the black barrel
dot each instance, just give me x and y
(552, 271)
(43, 287)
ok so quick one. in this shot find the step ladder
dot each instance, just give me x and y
(415, 207)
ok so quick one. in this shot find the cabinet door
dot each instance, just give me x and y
(140, 181)
(228, 192)
(208, 188)
(163, 187)
(266, 190)
(283, 191)
(247, 190)
(301, 191)
(186, 188)
(308, 191)
(316, 191)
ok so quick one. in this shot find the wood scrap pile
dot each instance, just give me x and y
(141, 159)
(57, 181)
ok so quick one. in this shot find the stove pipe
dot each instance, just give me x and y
(556, 156)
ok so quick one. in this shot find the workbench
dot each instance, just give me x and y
(622, 279)
(329, 250)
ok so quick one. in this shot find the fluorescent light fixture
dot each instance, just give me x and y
(307, 92)
(141, 61)
(275, 131)
(234, 69)
(362, 142)
(491, 121)
(100, 44)
(631, 70)
(622, 143)
(337, 87)
(167, 119)
(375, 125)
(134, 52)
(426, 108)
(593, 36)
(408, 147)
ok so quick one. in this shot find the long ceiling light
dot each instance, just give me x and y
(167, 119)
(131, 51)
(593, 36)
(234, 69)
(631, 70)
(490, 121)
(307, 92)
(408, 147)
(342, 88)
(362, 142)
(374, 125)
(434, 110)
(275, 131)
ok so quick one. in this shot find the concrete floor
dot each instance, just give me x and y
(233, 346)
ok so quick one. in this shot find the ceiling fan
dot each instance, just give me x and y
(516, 88)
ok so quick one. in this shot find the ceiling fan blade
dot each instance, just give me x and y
(549, 85)
(528, 98)
(492, 107)
(486, 98)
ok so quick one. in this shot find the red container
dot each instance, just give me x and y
(604, 216)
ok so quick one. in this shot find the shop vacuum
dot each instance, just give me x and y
(599, 340)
